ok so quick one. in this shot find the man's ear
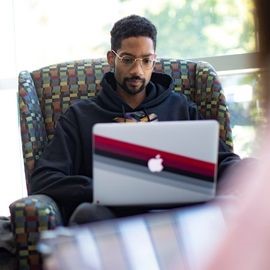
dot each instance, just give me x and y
(110, 58)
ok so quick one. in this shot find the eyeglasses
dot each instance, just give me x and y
(145, 62)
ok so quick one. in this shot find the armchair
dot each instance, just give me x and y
(46, 93)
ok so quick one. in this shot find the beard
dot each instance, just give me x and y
(132, 90)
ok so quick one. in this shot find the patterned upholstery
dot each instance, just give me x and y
(29, 217)
(45, 93)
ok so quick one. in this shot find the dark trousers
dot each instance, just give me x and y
(88, 212)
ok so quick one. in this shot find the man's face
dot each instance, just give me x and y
(132, 78)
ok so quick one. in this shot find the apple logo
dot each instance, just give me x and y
(155, 164)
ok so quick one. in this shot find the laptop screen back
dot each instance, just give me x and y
(154, 163)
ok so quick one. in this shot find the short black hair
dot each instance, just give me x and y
(132, 26)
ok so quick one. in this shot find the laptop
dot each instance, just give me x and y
(156, 163)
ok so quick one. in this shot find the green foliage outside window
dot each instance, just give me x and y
(199, 28)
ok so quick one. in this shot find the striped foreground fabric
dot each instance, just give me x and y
(46, 93)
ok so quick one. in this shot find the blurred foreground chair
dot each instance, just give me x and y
(46, 93)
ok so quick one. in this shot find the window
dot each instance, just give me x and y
(53, 31)
(241, 91)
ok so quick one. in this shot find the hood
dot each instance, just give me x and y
(158, 89)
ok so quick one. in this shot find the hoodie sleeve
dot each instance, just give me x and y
(226, 158)
(57, 172)
(193, 111)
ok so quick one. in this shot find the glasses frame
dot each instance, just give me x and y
(140, 59)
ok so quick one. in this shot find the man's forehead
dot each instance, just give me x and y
(137, 46)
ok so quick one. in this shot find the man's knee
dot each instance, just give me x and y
(88, 212)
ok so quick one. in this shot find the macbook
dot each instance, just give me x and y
(157, 163)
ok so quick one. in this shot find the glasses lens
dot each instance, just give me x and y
(147, 62)
(127, 60)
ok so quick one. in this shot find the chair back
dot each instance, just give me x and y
(46, 93)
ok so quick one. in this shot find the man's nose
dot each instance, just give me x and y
(137, 68)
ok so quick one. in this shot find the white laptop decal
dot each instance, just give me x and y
(155, 164)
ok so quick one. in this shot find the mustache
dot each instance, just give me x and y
(134, 78)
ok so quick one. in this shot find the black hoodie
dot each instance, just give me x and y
(64, 172)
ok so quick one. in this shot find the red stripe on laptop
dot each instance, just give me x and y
(144, 153)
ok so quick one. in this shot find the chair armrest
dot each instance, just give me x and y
(29, 217)
(33, 133)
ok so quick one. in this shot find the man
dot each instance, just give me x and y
(131, 93)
